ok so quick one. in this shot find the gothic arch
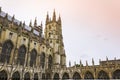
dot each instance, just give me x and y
(43, 75)
(56, 76)
(50, 59)
(6, 51)
(103, 75)
(36, 76)
(3, 75)
(33, 56)
(16, 76)
(65, 76)
(48, 76)
(27, 76)
(42, 59)
(88, 75)
(21, 55)
(116, 74)
(76, 75)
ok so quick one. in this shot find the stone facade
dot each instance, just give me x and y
(26, 54)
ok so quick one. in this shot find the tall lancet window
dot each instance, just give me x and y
(6, 51)
(42, 59)
(21, 55)
(49, 62)
(33, 56)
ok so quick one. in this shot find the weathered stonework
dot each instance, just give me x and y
(26, 55)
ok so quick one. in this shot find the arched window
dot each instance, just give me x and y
(65, 76)
(76, 76)
(48, 76)
(6, 51)
(103, 75)
(49, 62)
(42, 59)
(88, 75)
(116, 74)
(21, 55)
(27, 76)
(36, 76)
(3, 75)
(43, 76)
(56, 76)
(33, 56)
(16, 76)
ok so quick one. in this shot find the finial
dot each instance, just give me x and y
(41, 24)
(47, 18)
(13, 17)
(92, 61)
(86, 63)
(20, 23)
(69, 63)
(99, 60)
(35, 22)
(30, 24)
(106, 58)
(54, 16)
(59, 19)
(75, 63)
(24, 24)
(0, 9)
(80, 62)
(6, 15)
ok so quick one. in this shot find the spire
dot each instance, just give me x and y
(13, 17)
(54, 16)
(92, 61)
(69, 63)
(47, 18)
(30, 24)
(106, 58)
(80, 62)
(59, 19)
(41, 24)
(35, 22)
(0, 9)
(86, 63)
(6, 15)
(24, 24)
(114, 58)
(99, 60)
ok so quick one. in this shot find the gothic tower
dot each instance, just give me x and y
(53, 37)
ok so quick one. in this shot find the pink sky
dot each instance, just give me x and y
(90, 27)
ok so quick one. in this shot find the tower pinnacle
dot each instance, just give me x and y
(59, 19)
(47, 18)
(54, 16)
(35, 22)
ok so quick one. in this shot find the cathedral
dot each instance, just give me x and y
(27, 54)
